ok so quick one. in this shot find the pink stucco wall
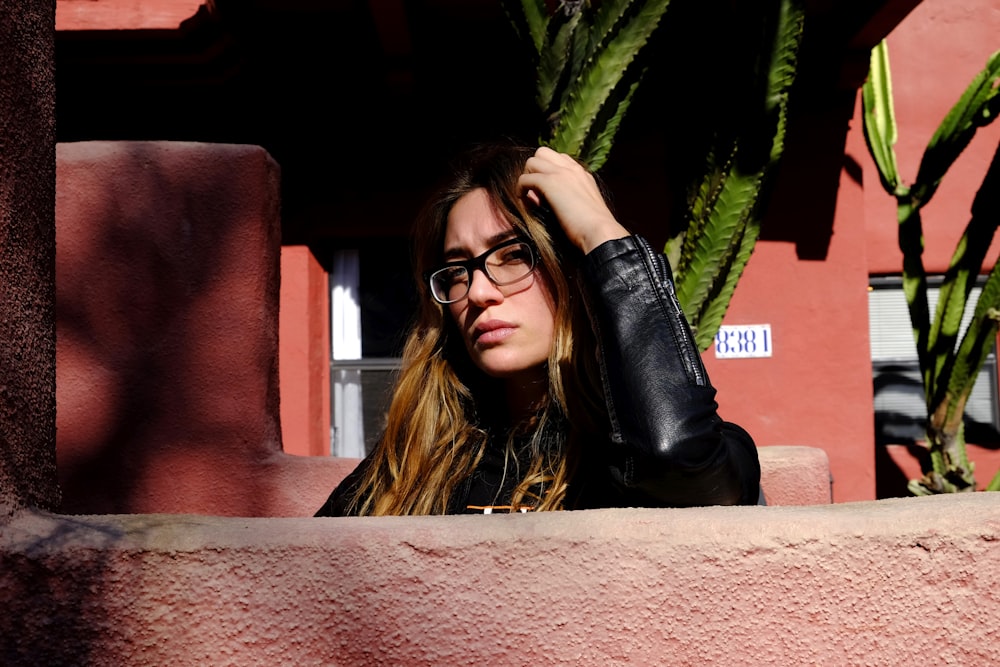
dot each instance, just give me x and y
(869, 583)
(27, 257)
(167, 375)
(816, 388)
(304, 353)
(124, 14)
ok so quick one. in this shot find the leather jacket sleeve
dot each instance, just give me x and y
(669, 447)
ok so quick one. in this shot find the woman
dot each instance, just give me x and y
(550, 366)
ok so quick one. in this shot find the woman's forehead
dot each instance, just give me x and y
(475, 225)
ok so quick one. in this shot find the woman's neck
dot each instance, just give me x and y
(525, 394)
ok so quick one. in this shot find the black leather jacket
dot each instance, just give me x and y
(668, 447)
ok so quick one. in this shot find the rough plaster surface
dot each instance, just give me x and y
(167, 321)
(792, 475)
(124, 14)
(887, 582)
(27, 250)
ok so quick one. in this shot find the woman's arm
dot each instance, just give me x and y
(669, 445)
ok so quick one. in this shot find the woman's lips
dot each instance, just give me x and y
(492, 332)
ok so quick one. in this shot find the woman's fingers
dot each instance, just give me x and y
(571, 192)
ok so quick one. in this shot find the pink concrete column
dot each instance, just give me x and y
(304, 354)
(168, 327)
(27, 256)
(167, 276)
(125, 14)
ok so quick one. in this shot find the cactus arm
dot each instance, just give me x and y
(530, 23)
(782, 70)
(977, 106)
(555, 63)
(600, 75)
(700, 205)
(949, 374)
(716, 306)
(994, 485)
(957, 372)
(600, 136)
(606, 19)
(980, 337)
(951, 469)
(584, 80)
(716, 241)
(911, 243)
(977, 343)
(880, 135)
(725, 213)
(952, 301)
(781, 76)
(880, 118)
(970, 252)
(974, 109)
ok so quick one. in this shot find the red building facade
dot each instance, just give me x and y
(298, 80)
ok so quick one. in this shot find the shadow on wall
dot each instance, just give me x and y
(73, 612)
(167, 318)
(803, 207)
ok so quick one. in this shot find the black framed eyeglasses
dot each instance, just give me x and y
(504, 264)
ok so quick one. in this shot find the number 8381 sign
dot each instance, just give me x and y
(743, 341)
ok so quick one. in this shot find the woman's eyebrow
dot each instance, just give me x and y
(462, 252)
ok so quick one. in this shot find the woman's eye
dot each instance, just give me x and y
(453, 276)
(516, 255)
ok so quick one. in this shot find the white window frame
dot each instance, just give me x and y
(899, 401)
(358, 397)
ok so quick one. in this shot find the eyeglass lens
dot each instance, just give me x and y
(504, 264)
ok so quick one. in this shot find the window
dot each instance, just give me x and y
(900, 410)
(372, 302)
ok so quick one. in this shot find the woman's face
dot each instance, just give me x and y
(508, 331)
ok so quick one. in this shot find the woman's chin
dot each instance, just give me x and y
(510, 369)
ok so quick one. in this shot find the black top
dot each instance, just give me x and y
(490, 487)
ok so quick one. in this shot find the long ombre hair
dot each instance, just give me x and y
(443, 408)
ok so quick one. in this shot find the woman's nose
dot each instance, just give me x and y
(482, 291)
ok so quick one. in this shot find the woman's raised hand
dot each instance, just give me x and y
(572, 194)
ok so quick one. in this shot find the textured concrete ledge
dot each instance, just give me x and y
(871, 583)
(795, 475)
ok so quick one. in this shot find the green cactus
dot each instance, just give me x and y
(725, 212)
(588, 69)
(948, 368)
